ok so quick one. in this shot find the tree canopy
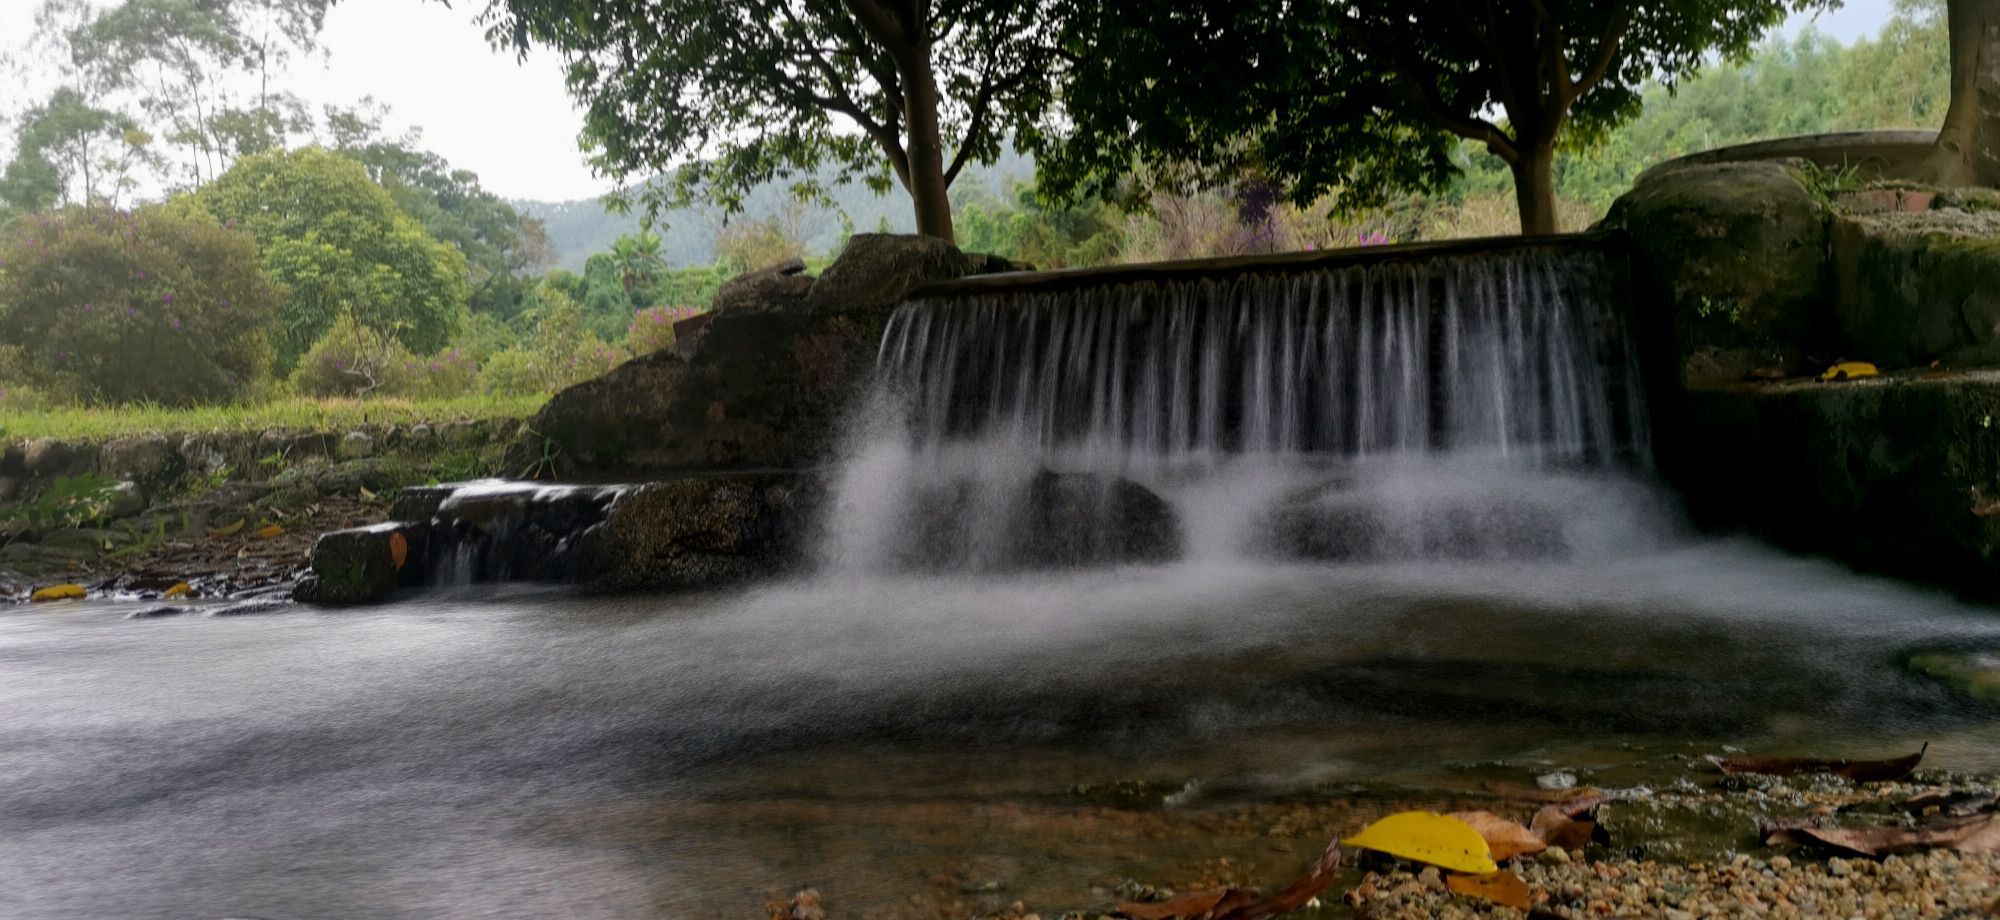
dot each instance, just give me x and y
(1368, 96)
(340, 244)
(718, 97)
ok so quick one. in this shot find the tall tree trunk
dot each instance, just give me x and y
(1535, 188)
(928, 188)
(1968, 146)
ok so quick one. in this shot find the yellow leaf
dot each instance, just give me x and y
(1503, 888)
(180, 589)
(270, 531)
(58, 593)
(366, 495)
(1848, 370)
(226, 530)
(399, 549)
(1428, 837)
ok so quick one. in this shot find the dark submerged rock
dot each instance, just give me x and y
(700, 532)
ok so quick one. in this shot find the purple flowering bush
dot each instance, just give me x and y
(652, 329)
(110, 306)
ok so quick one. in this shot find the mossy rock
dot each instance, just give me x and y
(1975, 674)
(364, 565)
(1919, 287)
(1733, 256)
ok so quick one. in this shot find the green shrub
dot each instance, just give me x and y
(451, 372)
(354, 360)
(514, 372)
(342, 245)
(146, 306)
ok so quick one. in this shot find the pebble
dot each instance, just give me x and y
(1556, 780)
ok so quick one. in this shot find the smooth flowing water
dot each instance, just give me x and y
(1413, 594)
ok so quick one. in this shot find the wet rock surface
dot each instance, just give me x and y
(1899, 474)
(1916, 288)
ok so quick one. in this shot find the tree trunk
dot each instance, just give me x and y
(928, 189)
(1535, 188)
(1968, 146)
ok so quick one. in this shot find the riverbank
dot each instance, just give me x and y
(223, 510)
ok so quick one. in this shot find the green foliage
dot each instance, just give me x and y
(1039, 233)
(1368, 98)
(341, 245)
(67, 151)
(72, 502)
(153, 305)
(716, 98)
(501, 246)
(745, 245)
(514, 372)
(354, 360)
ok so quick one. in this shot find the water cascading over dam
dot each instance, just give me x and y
(1430, 404)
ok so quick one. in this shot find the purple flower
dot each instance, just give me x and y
(86, 308)
(175, 322)
(166, 298)
(131, 312)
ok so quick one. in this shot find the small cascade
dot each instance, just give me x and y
(1353, 412)
(496, 530)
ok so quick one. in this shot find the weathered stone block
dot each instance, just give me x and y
(1914, 288)
(364, 565)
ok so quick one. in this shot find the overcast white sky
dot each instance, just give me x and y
(511, 123)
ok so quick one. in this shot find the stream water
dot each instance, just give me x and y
(1485, 585)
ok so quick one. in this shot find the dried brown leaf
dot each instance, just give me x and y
(1503, 888)
(1976, 834)
(1860, 771)
(1507, 839)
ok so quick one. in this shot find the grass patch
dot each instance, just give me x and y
(299, 412)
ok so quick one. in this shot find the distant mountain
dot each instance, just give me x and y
(579, 228)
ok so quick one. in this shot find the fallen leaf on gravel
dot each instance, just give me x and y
(1958, 804)
(1860, 771)
(1555, 826)
(226, 530)
(270, 532)
(1427, 837)
(1503, 888)
(179, 589)
(1506, 839)
(1238, 904)
(1976, 834)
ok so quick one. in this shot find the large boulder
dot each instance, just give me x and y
(700, 532)
(1729, 260)
(766, 386)
(1919, 287)
(365, 564)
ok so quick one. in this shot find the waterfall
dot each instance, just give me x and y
(1321, 412)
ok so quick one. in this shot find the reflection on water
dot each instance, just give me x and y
(529, 754)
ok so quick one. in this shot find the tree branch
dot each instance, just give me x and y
(1607, 49)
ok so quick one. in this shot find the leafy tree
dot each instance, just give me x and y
(501, 245)
(67, 151)
(186, 61)
(339, 242)
(1043, 234)
(719, 97)
(1368, 96)
(152, 305)
(636, 257)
